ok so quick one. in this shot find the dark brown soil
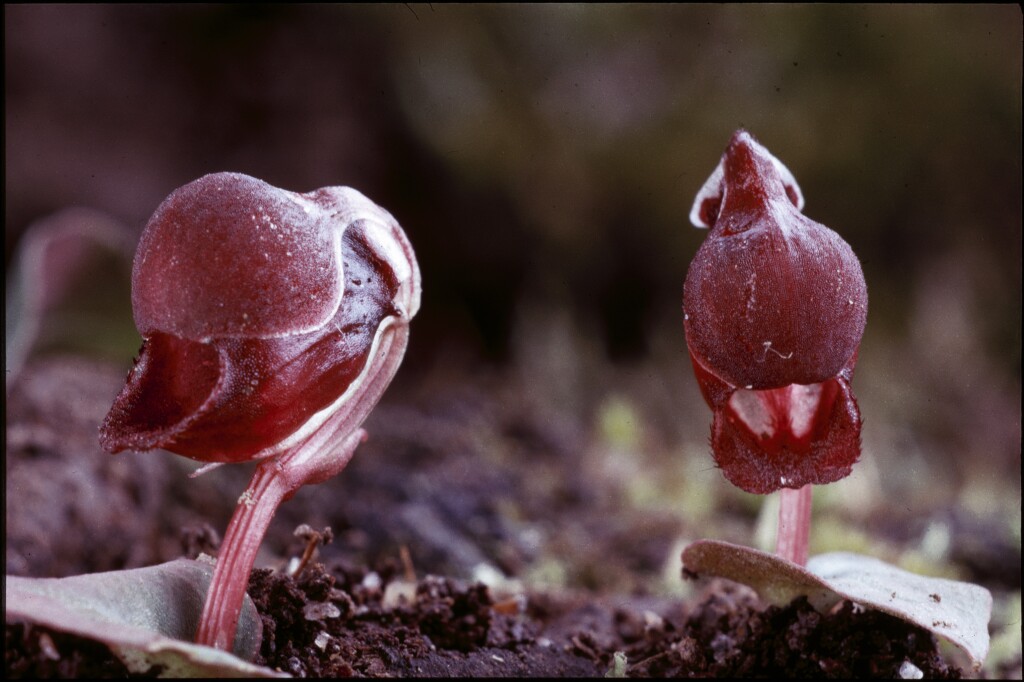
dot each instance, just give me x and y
(451, 629)
(335, 624)
(34, 652)
(446, 484)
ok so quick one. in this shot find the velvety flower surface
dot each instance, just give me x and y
(775, 305)
(260, 311)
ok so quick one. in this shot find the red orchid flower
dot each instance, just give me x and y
(775, 306)
(272, 322)
(258, 309)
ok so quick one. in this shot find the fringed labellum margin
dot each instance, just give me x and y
(775, 305)
(262, 311)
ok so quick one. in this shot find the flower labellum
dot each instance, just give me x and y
(264, 313)
(774, 305)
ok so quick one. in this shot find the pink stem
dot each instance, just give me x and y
(275, 480)
(791, 542)
(278, 478)
(237, 555)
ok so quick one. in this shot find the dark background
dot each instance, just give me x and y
(543, 160)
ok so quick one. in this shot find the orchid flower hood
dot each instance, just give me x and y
(264, 313)
(775, 305)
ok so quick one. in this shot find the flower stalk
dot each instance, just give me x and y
(274, 481)
(793, 534)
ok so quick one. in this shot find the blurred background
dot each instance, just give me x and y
(543, 160)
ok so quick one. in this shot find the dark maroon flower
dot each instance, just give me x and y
(272, 322)
(775, 305)
(259, 309)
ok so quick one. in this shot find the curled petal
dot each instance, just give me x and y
(707, 206)
(172, 382)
